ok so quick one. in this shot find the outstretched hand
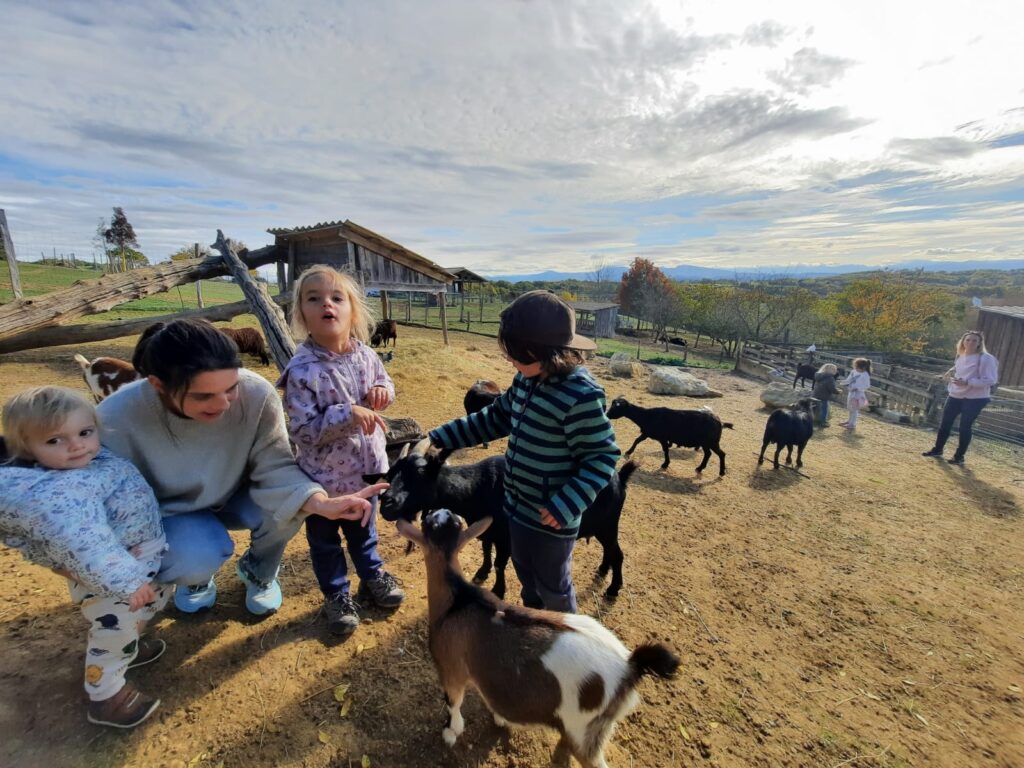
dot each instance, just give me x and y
(377, 398)
(353, 506)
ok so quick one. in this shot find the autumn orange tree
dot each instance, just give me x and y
(889, 313)
(647, 294)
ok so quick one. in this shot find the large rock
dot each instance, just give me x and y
(779, 395)
(672, 381)
(624, 364)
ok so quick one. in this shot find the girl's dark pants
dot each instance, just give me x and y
(324, 537)
(967, 409)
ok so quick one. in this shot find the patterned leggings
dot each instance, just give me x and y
(113, 637)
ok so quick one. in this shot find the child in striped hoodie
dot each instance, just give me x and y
(561, 450)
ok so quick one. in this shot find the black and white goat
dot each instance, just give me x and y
(685, 428)
(531, 667)
(789, 427)
(421, 480)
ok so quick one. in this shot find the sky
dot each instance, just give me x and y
(512, 137)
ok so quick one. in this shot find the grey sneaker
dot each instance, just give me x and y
(383, 590)
(342, 614)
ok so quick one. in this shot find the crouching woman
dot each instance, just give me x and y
(210, 439)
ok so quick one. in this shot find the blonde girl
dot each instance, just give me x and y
(857, 383)
(971, 379)
(334, 387)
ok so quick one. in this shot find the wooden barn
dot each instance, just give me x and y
(597, 318)
(378, 263)
(464, 278)
(1004, 337)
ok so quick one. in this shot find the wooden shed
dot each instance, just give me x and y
(376, 262)
(1004, 337)
(596, 318)
(463, 278)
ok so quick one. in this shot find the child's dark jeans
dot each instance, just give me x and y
(543, 564)
(324, 537)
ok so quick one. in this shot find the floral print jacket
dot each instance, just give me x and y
(85, 521)
(320, 388)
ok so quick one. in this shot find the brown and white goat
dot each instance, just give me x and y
(105, 375)
(530, 667)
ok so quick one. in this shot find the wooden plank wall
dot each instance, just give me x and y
(1004, 338)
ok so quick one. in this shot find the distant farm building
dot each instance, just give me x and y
(463, 279)
(596, 318)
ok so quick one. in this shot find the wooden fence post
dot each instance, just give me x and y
(12, 259)
(443, 301)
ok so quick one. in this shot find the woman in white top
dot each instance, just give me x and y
(971, 379)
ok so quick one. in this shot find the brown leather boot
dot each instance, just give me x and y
(125, 709)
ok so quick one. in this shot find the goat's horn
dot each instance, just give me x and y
(420, 449)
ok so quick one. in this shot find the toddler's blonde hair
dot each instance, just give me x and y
(37, 410)
(362, 320)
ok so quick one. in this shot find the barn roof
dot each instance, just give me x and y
(1017, 312)
(592, 306)
(465, 274)
(370, 240)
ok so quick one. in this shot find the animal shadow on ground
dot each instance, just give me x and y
(661, 480)
(767, 478)
(993, 501)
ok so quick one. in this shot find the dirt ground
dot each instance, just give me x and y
(869, 614)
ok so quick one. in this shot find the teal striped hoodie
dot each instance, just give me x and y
(561, 447)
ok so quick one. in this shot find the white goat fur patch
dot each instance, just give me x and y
(575, 656)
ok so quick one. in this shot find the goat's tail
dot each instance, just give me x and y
(653, 659)
(82, 362)
(626, 472)
(727, 425)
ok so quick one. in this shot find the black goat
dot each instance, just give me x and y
(788, 427)
(385, 329)
(480, 395)
(686, 429)
(804, 372)
(422, 481)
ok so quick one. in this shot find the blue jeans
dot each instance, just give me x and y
(198, 542)
(544, 566)
(328, 558)
(824, 411)
(968, 410)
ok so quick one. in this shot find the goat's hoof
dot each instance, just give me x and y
(664, 466)
(480, 579)
(699, 470)
(500, 721)
(611, 593)
(789, 461)
(449, 736)
(760, 462)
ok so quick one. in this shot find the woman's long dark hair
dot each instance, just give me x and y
(176, 352)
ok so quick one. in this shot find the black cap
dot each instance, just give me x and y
(543, 318)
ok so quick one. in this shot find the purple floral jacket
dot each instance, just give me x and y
(320, 388)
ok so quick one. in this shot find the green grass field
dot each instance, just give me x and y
(39, 279)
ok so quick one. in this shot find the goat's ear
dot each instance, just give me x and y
(405, 451)
(440, 455)
(473, 531)
(409, 531)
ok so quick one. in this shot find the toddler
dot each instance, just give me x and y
(333, 388)
(74, 507)
(858, 382)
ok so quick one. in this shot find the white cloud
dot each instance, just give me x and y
(439, 123)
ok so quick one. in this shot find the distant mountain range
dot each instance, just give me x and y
(685, 272)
